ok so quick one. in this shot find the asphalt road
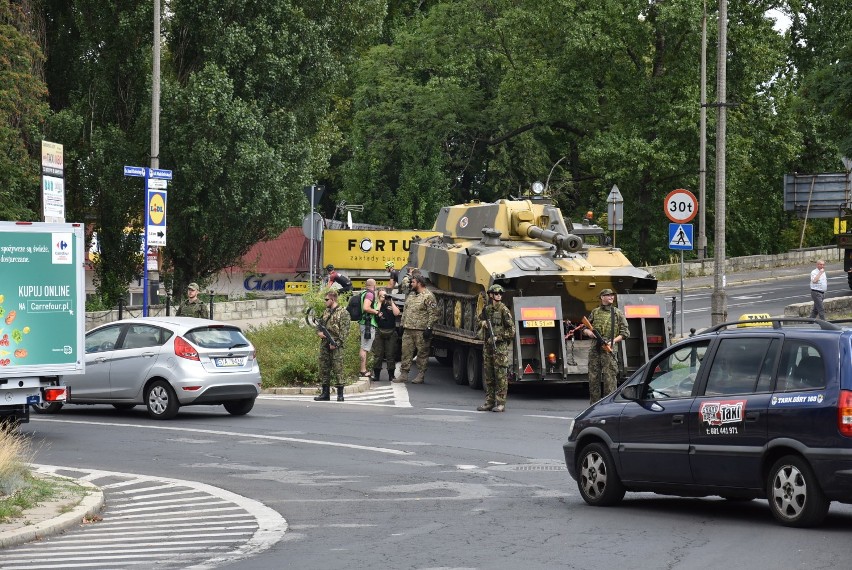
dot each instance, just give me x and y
(759, 291)
(416, 479)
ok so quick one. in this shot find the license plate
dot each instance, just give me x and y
(34, 399)
(538, 324)
(229, 361)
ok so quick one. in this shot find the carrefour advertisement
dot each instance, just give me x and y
(42, 299)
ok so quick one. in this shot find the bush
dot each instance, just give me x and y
(288, 352)
(13, 457)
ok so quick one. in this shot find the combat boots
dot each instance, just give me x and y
(486, 407)
(325, 395)
(390, 373)
(498, 408)
(420, 378)
(339, 394)
(377, 372)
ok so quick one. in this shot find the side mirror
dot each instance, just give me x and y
(630, 392)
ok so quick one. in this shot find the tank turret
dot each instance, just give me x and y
(529, 248)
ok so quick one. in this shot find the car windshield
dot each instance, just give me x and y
(217, 337)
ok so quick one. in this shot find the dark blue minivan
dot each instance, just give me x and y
(739, 412)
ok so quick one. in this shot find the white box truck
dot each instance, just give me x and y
(42, 312)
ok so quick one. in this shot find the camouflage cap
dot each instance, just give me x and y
(606, 292)
(193, 286)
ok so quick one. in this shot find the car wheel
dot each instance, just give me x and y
(124, 406)
(474, 368)
(161, 400)
(239, 407)
(460, 365)
(597, 479)
(46, 407)
(795, 497)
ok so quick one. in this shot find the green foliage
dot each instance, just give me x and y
(288, 354)
(23, 109)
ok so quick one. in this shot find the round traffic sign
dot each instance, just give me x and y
(680, 206)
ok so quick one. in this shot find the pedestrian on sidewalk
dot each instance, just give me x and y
(819, 285)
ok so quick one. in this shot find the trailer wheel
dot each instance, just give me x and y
(474, 368)
(460, 365)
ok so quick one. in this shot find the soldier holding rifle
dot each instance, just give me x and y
(608, 326)
(497, 328)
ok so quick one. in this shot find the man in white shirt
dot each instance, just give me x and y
(819, 284)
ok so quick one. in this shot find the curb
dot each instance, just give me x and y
(89, 505)
(356, 388)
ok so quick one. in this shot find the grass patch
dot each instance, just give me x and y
(19, 489)
(288, 352)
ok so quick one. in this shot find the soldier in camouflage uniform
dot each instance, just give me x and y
(418, 317)
(192, 306)
(495, 361)
(336, 319)
(603, 366)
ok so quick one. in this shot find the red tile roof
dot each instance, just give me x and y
(288, 253)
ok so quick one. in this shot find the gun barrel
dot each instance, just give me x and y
(568, 242)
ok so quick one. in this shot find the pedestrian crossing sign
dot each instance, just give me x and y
(680, 236)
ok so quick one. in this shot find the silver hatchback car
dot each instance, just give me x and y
(165, 363)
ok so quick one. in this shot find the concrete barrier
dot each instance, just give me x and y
(261, 308)
(706, 267)
(834, 308)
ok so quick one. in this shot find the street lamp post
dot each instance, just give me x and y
(718, 300)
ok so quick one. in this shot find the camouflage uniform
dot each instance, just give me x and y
(495, 364)
(419, 314)
(603, 366)
(337, 322)
(197, 309)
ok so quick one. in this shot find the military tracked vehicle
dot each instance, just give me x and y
(552, 272)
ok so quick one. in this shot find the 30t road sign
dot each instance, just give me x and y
(680, 206)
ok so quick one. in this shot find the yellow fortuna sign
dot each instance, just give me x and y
(369, 249)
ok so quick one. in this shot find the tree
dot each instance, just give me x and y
(23, 109)
(246, 118)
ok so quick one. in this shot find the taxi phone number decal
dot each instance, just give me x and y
(723, 417)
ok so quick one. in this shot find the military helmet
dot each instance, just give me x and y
(388, 264)
(496, 289)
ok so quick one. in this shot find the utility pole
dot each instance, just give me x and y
(153, 280)
(702, 160)
(718, 300)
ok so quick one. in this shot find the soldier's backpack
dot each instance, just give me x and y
(355, 306)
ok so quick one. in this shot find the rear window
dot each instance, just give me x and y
(217, 337)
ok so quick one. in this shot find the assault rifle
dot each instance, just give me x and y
(313, 321)
(490, 330)
(602, 343)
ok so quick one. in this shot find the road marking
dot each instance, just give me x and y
(260, 436)
(203, 538)
(388, 396)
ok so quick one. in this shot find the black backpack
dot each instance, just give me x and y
(355, 306)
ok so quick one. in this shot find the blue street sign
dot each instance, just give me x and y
(160, 173)
(135, 171)
(680, 236)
